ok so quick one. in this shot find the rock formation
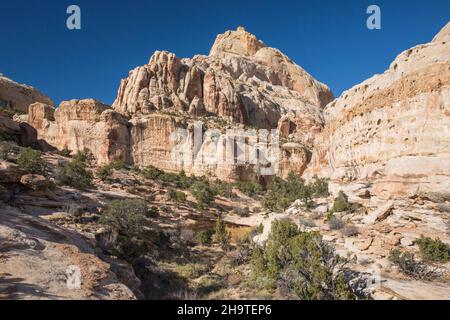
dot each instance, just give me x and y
(18, 97)
(390, 134)
(242, 84)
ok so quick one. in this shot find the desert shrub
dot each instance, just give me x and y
(223, 188)
(84, 156)
(282, 193)
(203, 194)
(250, 188)
(127, 217)
(433, 250)
(104, 172)
(342, 204)
(336, 223)
(407, 264)
(75, 173)
(118, 165)
(443, 207)
(319, 187)
(307, 222)
(301, 263)
(220, 233)
(176, 195)
(75, 211)
(350, 230)
(242, 212)
(32, 162)
(151, 172)
(153, 212)
(204, 237)
(259, 229)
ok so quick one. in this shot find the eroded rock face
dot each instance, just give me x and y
(242, 83)
(242, 80)
(19, 96)
(393, 129)
(83, 125)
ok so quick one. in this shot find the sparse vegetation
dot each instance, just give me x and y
(336, 223)
(204, 237)
(250, 188)
(175, 195)
(301, 263)
(342, 204)
(104, 172)
(282, 193)
(407, 263)
(32, 162)
(203, 194)
(221, 235)
(433, 250)
(75, 173)
(350, 230)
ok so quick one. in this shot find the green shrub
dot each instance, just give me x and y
(282, 193)
(350, 230)
(342, 204)
(104, 172)
(203, 194)
(221, 235)
(127, 217)
(204, 237)
(319, 187)
(223, 188)
(336, 223)
(407, 263)
(176, 195)
(32, 162)
(433, 250)
(75, 173)
(250, 188)
(301, 263)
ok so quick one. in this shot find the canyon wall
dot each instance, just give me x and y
(391, 134)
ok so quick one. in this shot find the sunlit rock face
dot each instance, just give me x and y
(393, 130)
(18, 97)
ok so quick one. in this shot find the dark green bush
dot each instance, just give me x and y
(302, 263)
(342, 204)
(203, 194)
(433, 250)
(75, 173)
(282, 193)
(176, 195)
(104, 172)
(250, 188)
(204, 237)
(319, 187)
(220, 233)
(127, 217)
(407, 263)
(336, 223)
(32, 162)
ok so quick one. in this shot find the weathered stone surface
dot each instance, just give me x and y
(83, 125)
(19, 96)
(35, 182)
(241, 80)
(393, 129)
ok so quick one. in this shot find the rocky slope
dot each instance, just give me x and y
(390, 134)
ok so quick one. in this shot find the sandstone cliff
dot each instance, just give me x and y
(242, 84)
(391, 132)
(17, 96)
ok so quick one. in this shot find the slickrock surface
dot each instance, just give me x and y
(392, 130)
(19, 96)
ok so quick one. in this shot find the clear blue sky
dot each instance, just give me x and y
(328, 38)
